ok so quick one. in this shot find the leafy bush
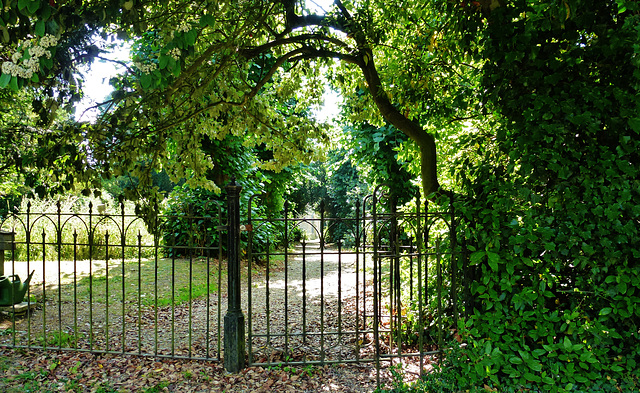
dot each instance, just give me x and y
(551, 207)
(439, 380)
(193, 218)
(190, 221)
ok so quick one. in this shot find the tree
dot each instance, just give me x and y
(539, 97)
(31, 154)
(214, 68)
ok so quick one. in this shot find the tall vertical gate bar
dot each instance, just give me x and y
(419, 245)
(357, 236)
(322, 249)
(286, 278)
(376, 290)
(249, 228)
(234, 328)
(454, 261)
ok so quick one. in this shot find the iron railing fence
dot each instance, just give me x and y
(103, 283)
(379, 286)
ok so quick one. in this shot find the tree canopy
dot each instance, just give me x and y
(217, 68)
(534, 105)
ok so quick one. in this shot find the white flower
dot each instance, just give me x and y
(183, 27)
(23, 72)
(146, 68)
(32, 64)
(175, 53)
(48, 41)
(27, 67)
(36, 51)
(6, 67)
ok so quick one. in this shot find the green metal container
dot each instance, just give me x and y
(12, 290)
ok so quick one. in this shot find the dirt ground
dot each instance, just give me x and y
(56, 371)
(72, 371)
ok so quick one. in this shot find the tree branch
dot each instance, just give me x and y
(284, 58)
(299, 39)
(312, 53)
(122, 63)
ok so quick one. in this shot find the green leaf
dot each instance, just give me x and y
(567, 343)
(46, 62)
(146, 80)
(535, 366)
(33, 6)
(4, 80)
(207, 20)
(510, 268)
(622, 288)
(539, 352)
(634, 123)
(40, 28)
(35, 78)
(14, 83)
(622, 6)
(53, 27)
(22, 4)
(532, 377)
(605, 311)
(164, 60)
(548, 380)
(493, 260)
(476, 257)
(487, 348)
(515, 360)
(190, 37)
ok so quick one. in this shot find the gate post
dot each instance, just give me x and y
(234, 332)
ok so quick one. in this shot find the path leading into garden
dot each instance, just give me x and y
(301, 299)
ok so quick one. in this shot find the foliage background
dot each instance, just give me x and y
(534, 104)
(550, 206)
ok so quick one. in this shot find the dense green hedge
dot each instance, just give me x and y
(552, 207)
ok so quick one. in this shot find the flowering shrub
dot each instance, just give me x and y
(26, 62)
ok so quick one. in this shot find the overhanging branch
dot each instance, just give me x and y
(312, 53)
(299, 39)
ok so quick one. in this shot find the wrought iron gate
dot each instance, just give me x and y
(103, 283)
(382, 287)
(376, 286)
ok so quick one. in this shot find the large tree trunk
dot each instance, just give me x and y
(363, 57)
(425, 141)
